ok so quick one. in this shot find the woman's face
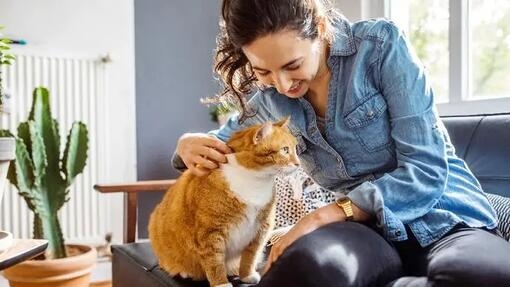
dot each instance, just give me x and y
(285, 61)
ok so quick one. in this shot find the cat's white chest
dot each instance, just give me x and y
(242, 234)
(255, 188)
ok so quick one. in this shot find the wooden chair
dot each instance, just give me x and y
(131, 191)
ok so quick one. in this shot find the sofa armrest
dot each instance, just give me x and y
(130, 191)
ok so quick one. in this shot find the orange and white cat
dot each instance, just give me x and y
(216, 225)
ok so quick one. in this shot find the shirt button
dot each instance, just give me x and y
(370, 113)
(398, 233)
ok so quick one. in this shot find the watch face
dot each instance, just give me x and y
(344, 200)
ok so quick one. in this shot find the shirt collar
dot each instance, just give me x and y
(343, 42)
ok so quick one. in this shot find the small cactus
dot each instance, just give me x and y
(41, 176)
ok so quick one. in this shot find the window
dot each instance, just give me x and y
(426, 25)
(465, 47)
(490, 48)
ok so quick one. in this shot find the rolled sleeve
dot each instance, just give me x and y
(414, 187)
(177, 163)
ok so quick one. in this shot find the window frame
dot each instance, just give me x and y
(460, 100)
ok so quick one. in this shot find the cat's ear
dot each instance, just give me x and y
(263, 132)
(283, 122)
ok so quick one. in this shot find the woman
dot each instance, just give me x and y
(363, 112)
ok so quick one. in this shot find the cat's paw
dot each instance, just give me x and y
(184, 275)
(253, 278)
(224, 285)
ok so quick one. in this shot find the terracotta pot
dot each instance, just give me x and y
(73, 271)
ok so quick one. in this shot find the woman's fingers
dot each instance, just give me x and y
(203, 162)
(212, 154)
(201, 153)
(273, 256)
(217, 144)
(199, 171)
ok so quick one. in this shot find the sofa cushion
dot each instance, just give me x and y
(502, 206)
(484, 143)
(135, 264)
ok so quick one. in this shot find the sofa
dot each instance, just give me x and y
(483, 141)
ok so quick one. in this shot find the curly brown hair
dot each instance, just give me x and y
(243, 21)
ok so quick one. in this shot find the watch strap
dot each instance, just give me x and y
(346, 205)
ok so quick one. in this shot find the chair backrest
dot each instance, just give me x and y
(483, 141)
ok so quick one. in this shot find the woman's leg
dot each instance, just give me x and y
(470, 257)
(465, 257)
(338, 254)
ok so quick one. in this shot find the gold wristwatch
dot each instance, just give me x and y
(346, 205)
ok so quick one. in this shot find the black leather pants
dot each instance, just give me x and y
(352, 254)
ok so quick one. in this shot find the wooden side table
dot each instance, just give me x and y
(21, 250)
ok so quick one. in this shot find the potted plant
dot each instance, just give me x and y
(43, 178)
(6, 142)
(6, 59)
(221, 112)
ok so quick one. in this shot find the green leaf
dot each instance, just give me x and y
(75, 153)
(38, 153)
(4, 47)
(41, 115)
(9, 56)
(6, 134)
(34, 201)
(6, 41)
(6, 62)
(24, 134)
(11, 174)
(24, 168)
(38, 229)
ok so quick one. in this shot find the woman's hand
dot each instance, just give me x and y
(201, 153)
(312, 221)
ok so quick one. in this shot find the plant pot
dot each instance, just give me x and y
(7, 148)
(73, 271)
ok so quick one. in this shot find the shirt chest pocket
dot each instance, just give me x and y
(370, 123)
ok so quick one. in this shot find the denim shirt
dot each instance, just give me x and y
(384, 145)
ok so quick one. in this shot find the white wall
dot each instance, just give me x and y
(77, 28)
(356, 10)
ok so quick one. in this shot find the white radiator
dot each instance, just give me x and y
(77, 93)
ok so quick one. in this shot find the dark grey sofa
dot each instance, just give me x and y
(483, 141)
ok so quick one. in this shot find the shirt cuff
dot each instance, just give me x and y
(368, 198)
(177, 163)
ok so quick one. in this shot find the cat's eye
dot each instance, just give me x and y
(285, 150)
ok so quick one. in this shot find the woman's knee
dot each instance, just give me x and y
(339, 254)
(474, 258)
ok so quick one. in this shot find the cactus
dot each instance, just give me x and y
(40, 175)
